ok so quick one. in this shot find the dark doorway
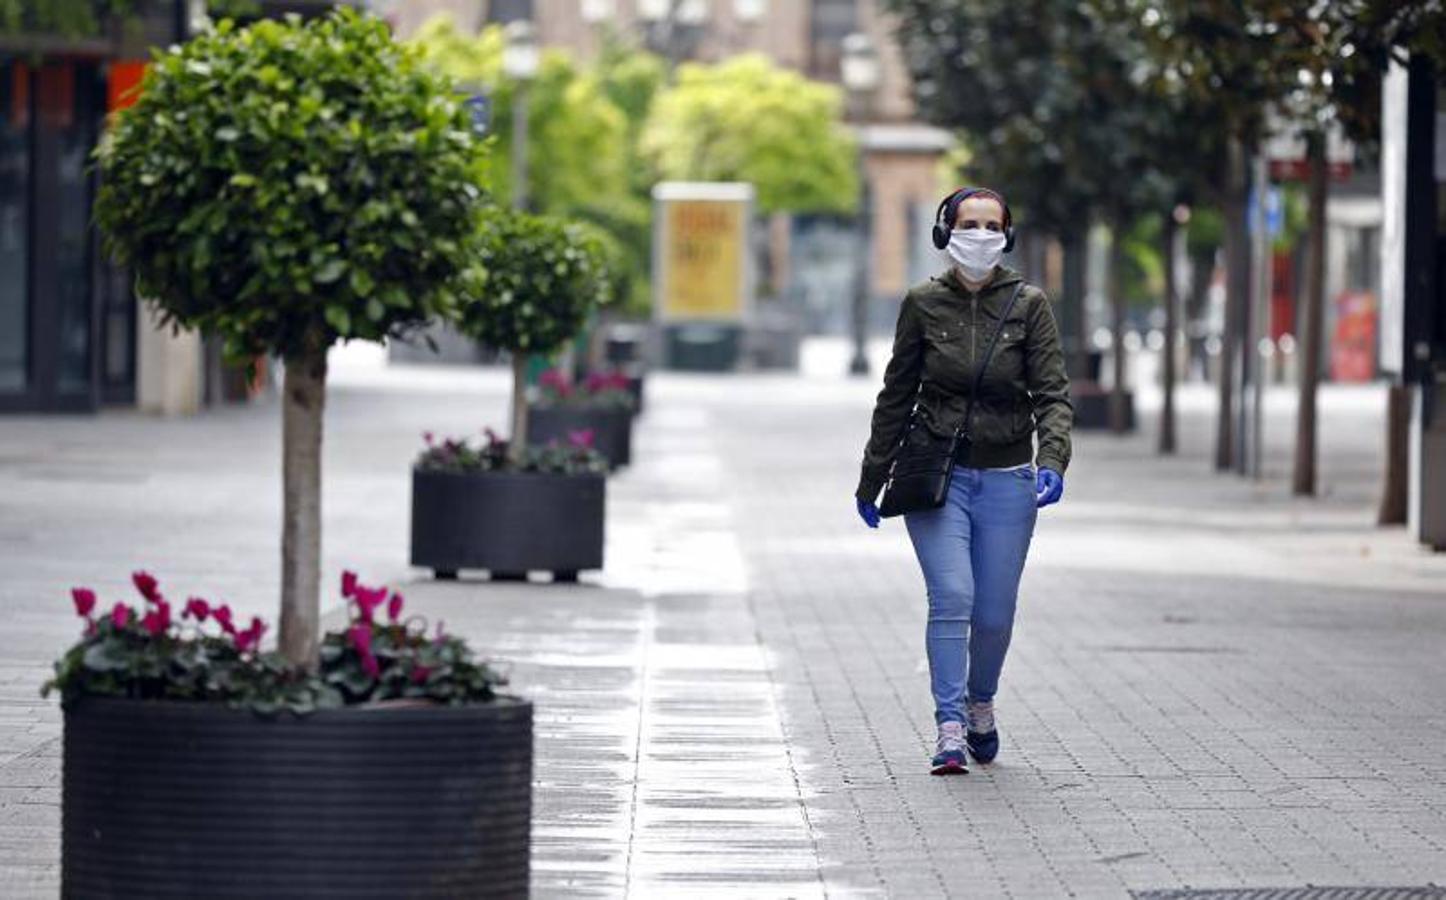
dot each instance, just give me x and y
(67, 319)
(14, 228)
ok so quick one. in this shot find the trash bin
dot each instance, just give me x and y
(626, 343)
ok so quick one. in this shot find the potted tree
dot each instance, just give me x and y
(284, 187)
(512, 508)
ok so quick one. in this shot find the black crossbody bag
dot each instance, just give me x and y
(923, 462)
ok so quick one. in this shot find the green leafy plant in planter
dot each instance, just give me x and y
(575, 457)
(174, 712)
(200, 654)
(597, 390)
(287, 186)
(601, 402)
(545, 277)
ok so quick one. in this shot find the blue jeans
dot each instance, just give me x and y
(972, 552)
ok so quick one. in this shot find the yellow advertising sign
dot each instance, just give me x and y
(703, 256)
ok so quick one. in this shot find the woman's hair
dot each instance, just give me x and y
(956, 199)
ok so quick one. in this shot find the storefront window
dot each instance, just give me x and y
(14, 224)
(71, 108)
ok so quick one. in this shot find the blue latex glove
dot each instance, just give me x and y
(868, 512)
(1048, 487)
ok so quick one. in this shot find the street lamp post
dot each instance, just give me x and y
(859, 71)
(519, 63)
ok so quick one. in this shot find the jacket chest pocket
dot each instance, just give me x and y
(953, 341)
(945, 332)
(950, 339)
(1009, 353)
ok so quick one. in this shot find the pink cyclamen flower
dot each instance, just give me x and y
(582, 439)
(154, 623)
(420, 674)
(440, 634)
(367, 600)
(121, 615)
(84, 601)
(222, 615)
(250, 639)
(429, 438)
(197, 609)
(146, 584)
(348, 583)
(394, 607)
(553, 380)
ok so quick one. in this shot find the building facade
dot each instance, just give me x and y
(73, 335)
(67, 320)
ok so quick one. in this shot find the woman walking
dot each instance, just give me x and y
(977, 358)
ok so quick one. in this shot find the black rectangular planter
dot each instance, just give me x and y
(635, 387)
(612, 429)
(509, 523)
(174, 799)
(1092, 410)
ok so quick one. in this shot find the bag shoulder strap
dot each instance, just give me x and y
(983, 366)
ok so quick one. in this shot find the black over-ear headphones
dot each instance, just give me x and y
(942, 228)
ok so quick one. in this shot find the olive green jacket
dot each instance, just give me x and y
(942, 335)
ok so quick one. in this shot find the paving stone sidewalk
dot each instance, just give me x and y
(1210, 685)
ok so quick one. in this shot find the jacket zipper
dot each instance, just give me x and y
(973, 334)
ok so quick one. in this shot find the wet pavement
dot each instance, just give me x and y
(1211, 684)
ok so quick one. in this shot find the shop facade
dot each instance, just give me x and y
(67, 316)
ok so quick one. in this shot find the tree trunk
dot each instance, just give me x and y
(519, 406)
(1071, 306)
(303, 406)
(1172, 303)
(1202, 276)
(1034, 247)
(1396, 497)
(1237, 294)
(1119, 421)
(1313, 321)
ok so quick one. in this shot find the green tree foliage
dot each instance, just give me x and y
(631, 78)
(745, 119)
(582, 142)
(577, 137)
(1143, 280)
(286, 186)
(1355, 42)
(544, 277)
(1016, 80)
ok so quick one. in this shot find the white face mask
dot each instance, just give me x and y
(976, 251)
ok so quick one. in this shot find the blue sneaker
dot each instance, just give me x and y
(949, 755)
(982, 737)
